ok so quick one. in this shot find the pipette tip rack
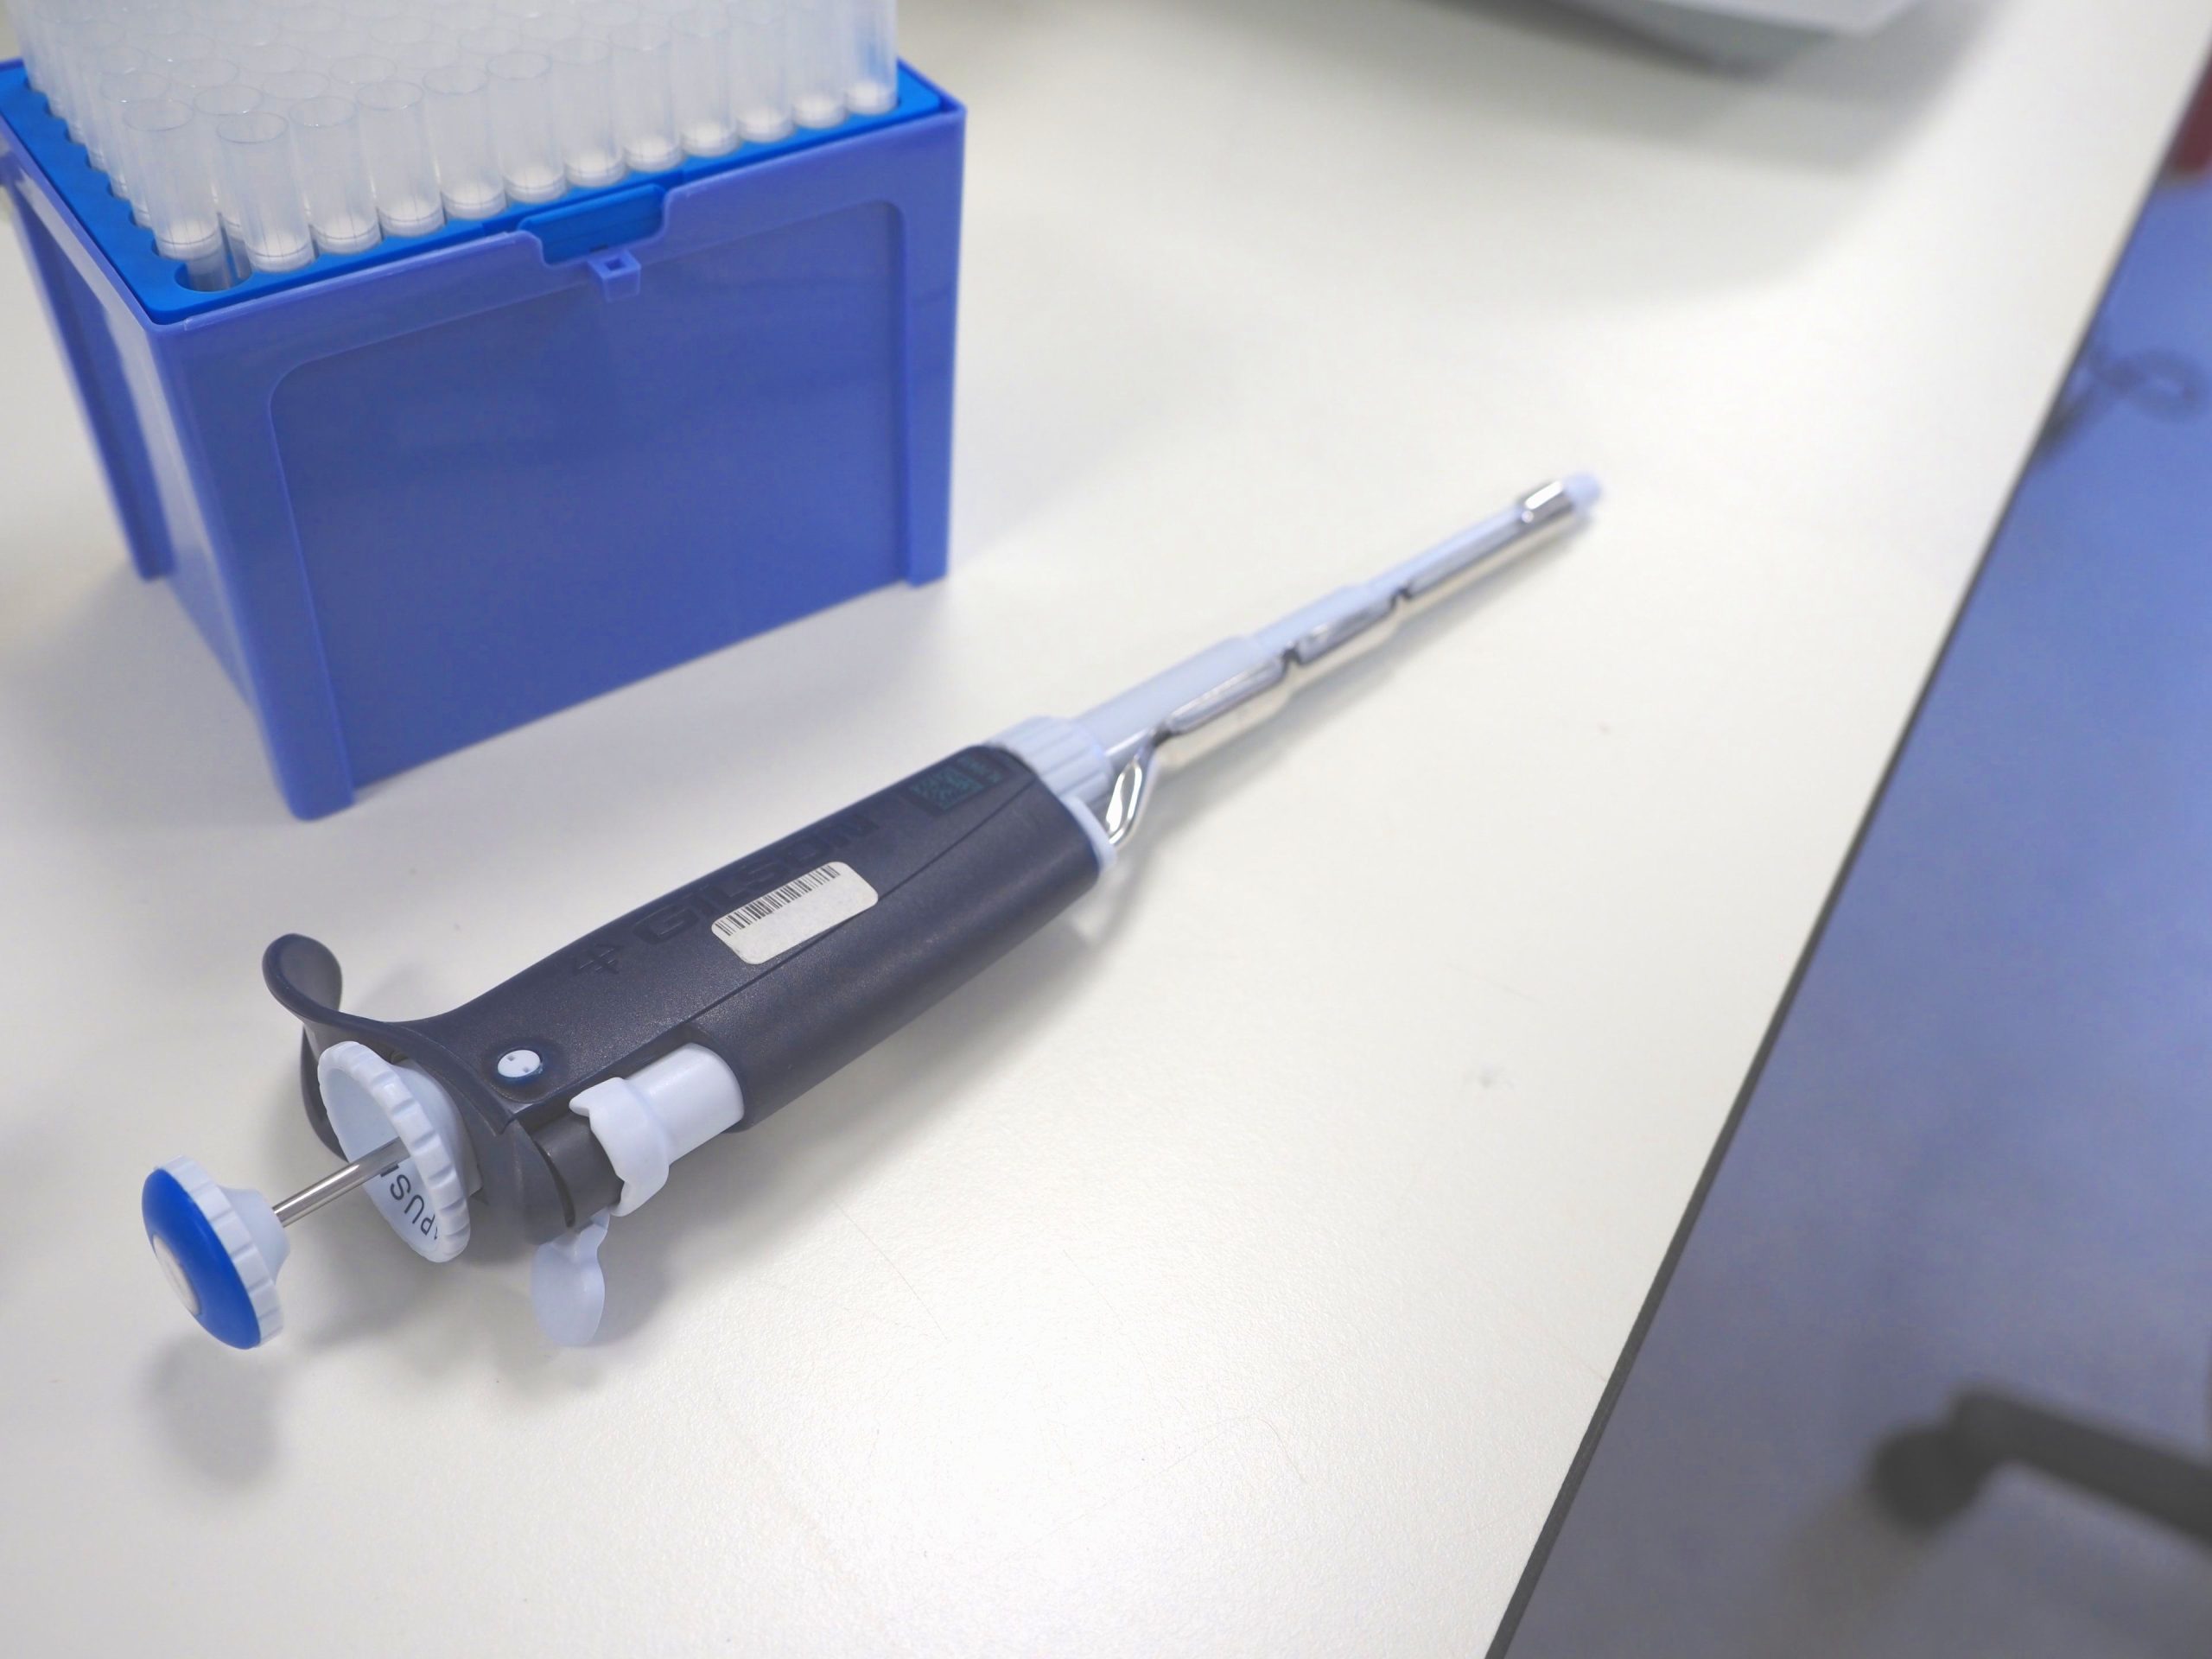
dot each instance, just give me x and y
(215, 151)
(415, 492)
(162, 285)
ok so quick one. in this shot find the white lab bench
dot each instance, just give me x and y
(1237, 1267)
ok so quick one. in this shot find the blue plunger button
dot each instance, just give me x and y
(220, 1246)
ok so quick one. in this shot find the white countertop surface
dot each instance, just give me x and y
(1238, 1265)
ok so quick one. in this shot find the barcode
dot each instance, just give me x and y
(768, 903)
(803, 908)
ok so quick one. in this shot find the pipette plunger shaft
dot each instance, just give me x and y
(340, 1181)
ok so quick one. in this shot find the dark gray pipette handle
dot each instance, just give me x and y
(852, 926)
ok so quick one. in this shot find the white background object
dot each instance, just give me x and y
(1746, 32)
(1832, 16)
(1181, 1286)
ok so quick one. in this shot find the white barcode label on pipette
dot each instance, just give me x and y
(800, 910)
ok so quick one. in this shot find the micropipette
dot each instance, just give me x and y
(565, 1094)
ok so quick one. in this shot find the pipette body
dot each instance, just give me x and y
(566, 1095)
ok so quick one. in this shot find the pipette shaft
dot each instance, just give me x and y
(1182, 710)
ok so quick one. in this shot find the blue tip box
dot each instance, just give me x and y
(416, 496)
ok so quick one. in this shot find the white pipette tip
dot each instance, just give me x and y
(291, 178)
